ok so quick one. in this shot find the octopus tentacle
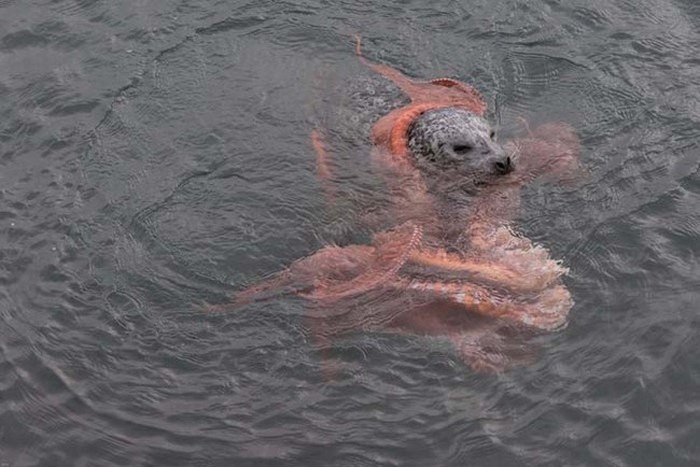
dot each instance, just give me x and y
(474, 355)
(405, 83)
(448, 91)
(547, 313)
(464, 87)
(371, 279)
(322, 164)
(500, 274)
(280, 285)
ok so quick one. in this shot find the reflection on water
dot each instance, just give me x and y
(155, 157)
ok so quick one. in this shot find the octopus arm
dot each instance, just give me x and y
(334, 273)
(474, 355)
(391, 250)
(488, 352)
(483, 344)
(323, 169)
(548, 310)
(441, 91)
(508, 271)
(550, 153)
(328, 265)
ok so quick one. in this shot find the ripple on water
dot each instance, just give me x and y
(200, 178)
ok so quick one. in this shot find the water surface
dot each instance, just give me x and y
(154, 156)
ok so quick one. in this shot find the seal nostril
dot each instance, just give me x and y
(504, 166)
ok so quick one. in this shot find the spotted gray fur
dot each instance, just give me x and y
(456, 139)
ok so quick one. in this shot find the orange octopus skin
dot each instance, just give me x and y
(495, 280)
(485, 302)
(391, 131)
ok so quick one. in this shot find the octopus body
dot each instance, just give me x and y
(452, 255)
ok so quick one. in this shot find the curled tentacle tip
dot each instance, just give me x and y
(358, 44)
(212, 308)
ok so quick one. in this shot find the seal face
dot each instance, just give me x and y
(455, 139)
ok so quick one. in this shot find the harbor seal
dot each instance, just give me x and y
(451, 253)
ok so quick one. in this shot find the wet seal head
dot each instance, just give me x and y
(456, 140)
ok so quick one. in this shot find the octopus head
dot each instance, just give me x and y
(454, 140)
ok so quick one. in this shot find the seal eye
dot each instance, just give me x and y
(461, 149)
(492, 134)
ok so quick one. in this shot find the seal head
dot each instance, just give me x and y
(457, 140)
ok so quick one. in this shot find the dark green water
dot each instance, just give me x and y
(154, 156)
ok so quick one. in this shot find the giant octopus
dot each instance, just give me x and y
(451, 263)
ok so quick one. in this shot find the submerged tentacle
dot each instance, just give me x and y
(506, 274)
(279, 285)
(390, 262)
(323, 170)
(405, 83)
(446, 91)
(547, 311)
